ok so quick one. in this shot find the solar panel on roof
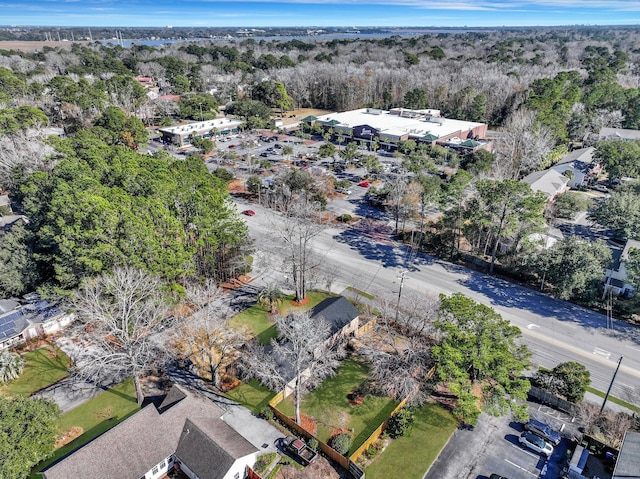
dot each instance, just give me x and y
(11, 317)
(7, 329)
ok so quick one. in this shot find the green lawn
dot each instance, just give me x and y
(257, 321)
(615, 400)
(413, 454)
(95, 417)
(329, 405)
(251, 395)
(43, 367)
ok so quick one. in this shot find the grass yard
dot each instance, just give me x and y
(95, 417)
(257, 321)
(251, 395)
(413, 454)
(43, 367)
(329, 406)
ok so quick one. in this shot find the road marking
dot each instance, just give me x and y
(521, 468)
(602, 352)
(531, 326)
(631, 347)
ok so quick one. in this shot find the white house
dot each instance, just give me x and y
(580, 163)
(20, 323)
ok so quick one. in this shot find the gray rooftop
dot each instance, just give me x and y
(628, 463)
(134, 446)
(337, 311)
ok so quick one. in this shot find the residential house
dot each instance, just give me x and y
(343, 319)
(616, 275)
(618, 134)
(581, 164)
(343, 316)
(9, 221)
(186, 431)
(550, 182)
(37, 318)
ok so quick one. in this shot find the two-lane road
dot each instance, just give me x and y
(556, 331)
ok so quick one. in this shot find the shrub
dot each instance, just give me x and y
(344, 218)
(263, 462)
(400, 423)
(342, 442)
(313, 443)
(267, 413)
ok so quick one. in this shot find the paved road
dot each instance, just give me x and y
(555, 330)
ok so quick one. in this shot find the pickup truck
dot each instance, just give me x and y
(300, 450)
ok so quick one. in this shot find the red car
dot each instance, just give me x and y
(233, 146)
(249, 212)
(364, 184)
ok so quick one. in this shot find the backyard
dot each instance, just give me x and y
(332, 411)
(91, 419)
(414, 453)
(258, 321)
(43, 367)
(251, 395)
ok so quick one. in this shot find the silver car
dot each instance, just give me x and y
(536, 443)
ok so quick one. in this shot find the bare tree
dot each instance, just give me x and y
(400, 368)
(119, 313)
(305, 353)
(204, 334)
(522, 145)
(418, 311)
(301, 225)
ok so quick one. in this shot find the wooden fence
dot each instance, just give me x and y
(376, 434)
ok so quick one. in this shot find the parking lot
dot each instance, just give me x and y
(492, 447)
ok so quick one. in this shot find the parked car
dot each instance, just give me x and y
(344, 191)
(544, 431)
(249, 213)
(300, 450)
(264, 154)
(535, 443)
(495, 476)
(278, 146)
(364, 184)
(600, 188)
(233, 146)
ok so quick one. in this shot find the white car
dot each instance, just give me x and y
(536, 443)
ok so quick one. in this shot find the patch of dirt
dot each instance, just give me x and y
(321, 469)
(294, 116)
(68, 436)
(235, 283)
(300, 303)
(308, 423)
(237, 187)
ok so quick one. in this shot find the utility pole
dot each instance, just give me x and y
(401, 278)
(610, 385)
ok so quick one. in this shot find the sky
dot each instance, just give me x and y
(297, 13)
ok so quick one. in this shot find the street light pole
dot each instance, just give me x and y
(610, 385)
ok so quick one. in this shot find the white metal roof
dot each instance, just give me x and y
(385, 122)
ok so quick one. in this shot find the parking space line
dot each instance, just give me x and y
(521, 468)
(535, 456)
